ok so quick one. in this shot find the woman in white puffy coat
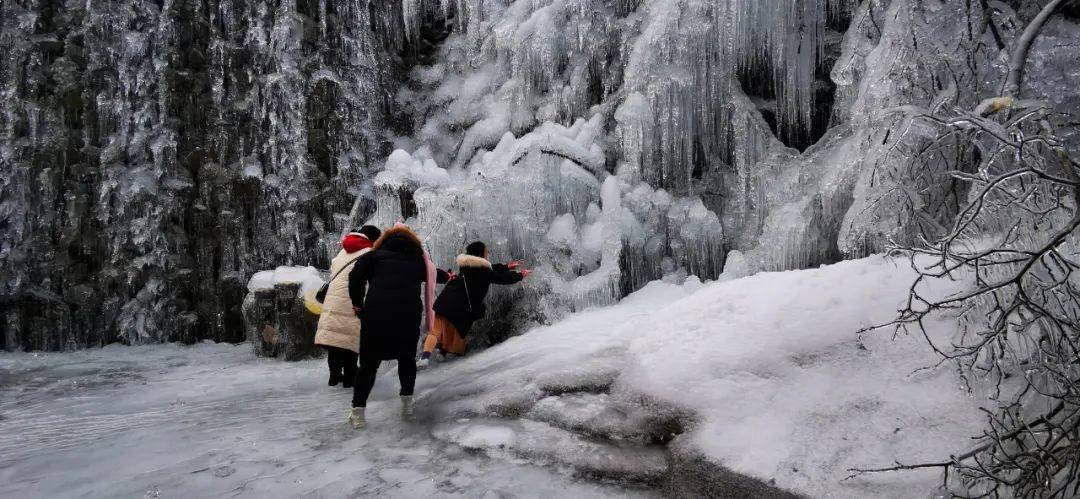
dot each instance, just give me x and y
(339, 328)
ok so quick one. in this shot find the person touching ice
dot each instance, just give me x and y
(461, 302)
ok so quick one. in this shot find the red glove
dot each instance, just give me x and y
(451, 275)
(524, 273)
(514, 264)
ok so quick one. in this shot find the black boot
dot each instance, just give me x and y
(348, 369)
(334, 362)
(349, 378)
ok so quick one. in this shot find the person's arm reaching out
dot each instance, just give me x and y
(444, 276)
(502, 274)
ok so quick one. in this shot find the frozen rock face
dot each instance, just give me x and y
(609, 143)
(801, 142)
(699, 99)
(943, 58)
(156, 154)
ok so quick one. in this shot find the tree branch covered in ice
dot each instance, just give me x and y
(1016, 240)
(1023, 46)
(1010, 91)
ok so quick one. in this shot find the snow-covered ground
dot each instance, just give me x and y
(214, 421)
(672, 389)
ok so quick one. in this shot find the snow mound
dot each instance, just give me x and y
(404, 169)
(309, 278)
(763, 375)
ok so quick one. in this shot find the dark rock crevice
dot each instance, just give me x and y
(759, 81)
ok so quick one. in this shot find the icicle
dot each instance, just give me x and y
(411, 17)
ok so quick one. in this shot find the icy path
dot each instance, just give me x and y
(213, 421)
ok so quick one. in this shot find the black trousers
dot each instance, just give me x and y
(342, 362)
(369, 366)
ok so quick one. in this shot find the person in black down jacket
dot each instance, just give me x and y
(384, 287)
(462, 301)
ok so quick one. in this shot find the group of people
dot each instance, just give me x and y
(382, 286)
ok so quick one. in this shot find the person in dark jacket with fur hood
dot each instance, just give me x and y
(385, 289)
(462, 301)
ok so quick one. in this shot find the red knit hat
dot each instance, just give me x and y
(354, 242)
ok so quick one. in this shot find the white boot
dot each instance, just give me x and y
(356, 418)
(407, 407)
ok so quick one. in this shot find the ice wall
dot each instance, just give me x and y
(155, 154)
(697, 98)
(791, 122)
(545, 197)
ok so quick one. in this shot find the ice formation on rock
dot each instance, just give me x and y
(155, 155)
(665, 78)
(546, 197)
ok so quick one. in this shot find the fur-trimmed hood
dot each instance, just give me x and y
(399, 232)
(464, 260)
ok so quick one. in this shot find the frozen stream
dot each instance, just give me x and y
(214, 421)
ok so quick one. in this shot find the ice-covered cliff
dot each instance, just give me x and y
(156, 154)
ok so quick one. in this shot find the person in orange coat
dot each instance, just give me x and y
(462, 300)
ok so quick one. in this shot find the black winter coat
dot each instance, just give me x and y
(385, 284)
(462, 300)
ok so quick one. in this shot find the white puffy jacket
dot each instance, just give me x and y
(338, 325)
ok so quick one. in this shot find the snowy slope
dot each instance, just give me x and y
(671, 390)
(764, 373)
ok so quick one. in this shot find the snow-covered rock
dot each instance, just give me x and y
(277, 321)
(308, 278)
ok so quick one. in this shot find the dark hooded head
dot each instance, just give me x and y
(371, 232)
(476, 248)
